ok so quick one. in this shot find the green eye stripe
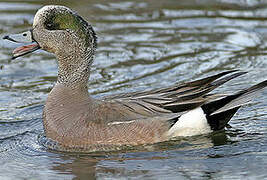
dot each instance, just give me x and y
(62, 21)
(67, 20)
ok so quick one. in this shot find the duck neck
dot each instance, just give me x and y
(74, 70)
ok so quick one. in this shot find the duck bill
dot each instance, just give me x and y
(25, 37)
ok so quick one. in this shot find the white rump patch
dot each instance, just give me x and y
(192, 123)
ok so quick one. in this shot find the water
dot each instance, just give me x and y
(142, 45)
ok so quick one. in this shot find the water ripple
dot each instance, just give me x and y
(142, 45)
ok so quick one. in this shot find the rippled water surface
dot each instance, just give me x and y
(142, 45)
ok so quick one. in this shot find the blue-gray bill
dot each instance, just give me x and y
(25, 37)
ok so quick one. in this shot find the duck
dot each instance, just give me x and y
(73, 120)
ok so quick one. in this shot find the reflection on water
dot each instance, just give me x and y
(142, 45)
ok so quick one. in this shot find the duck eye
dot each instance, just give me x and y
(49, 26)
(52, 26)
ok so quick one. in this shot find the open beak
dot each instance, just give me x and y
(25, 37)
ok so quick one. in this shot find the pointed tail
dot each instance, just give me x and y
(219, 112)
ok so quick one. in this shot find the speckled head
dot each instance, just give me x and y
(59, 30)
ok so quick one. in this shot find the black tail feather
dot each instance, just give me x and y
(221, 111)
(220, 120)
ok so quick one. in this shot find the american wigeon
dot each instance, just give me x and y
(75, 121)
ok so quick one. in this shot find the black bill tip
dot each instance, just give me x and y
(9, 38)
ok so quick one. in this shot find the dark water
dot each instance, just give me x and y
(142, 45)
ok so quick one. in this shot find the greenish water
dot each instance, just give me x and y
(142, 45)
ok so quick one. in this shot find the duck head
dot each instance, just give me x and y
(56, 29)
(59, 30)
